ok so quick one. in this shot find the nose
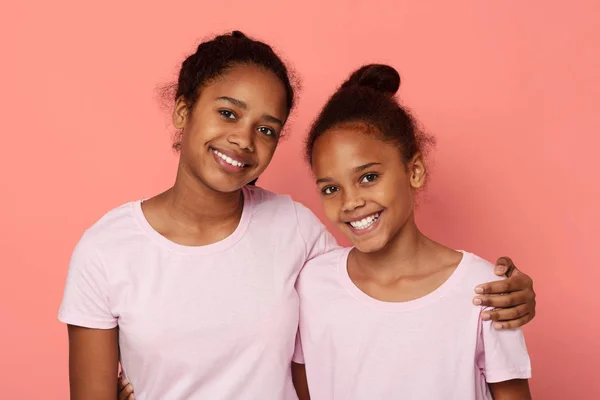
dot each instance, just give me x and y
(352, 199)
(243, 138)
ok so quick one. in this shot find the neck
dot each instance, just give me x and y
(400, 255)
(197, 204)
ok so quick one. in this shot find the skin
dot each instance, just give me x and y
(300, 381)
(359, 175)
(242, 114)
(93, 363)
(204, 194)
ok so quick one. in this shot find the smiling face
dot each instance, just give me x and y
(365, 187)
(231, 134)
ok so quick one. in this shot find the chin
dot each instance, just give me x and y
(226, 185)
(370, 245)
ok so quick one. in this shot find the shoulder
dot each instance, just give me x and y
(326, 264)
(265, 202)
(111, 230)
(283, 209)
(477, 270)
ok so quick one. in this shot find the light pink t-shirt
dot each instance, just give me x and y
(207, 322)
(435, 347)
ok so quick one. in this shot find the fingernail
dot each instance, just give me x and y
(498, 325)
(485, 317)
(477, 301)
(478, 289)
(502, 270)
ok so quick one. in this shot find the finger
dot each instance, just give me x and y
(504, 266)
(127, 393)
(502, 301)
(512, 284)
(513, 271)
(506, 314)
(122, 383)
(515, 323)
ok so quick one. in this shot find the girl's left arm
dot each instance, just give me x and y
(513, 298)
(300, 381)
(516, 389)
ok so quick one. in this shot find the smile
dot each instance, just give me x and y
(229, 160)
(365, 223)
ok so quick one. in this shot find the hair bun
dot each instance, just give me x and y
(380, 77)
(239, 35)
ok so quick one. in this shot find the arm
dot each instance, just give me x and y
(513, 297)
(516, 389)
(93, 363)
(300, 382)
(92, 327)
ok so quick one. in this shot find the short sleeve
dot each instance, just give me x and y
(86, 297)
(316, 236)
(502, 355)
(298, 356)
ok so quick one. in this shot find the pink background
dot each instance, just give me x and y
(510, 88)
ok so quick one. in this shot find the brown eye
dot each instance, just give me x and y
(266, 131)
(329, 190)
(227, 114)
(368, 178)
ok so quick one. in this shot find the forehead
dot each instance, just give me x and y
(350, 145)
(251, 84)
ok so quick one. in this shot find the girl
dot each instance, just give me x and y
(193, 289)
(391, 318)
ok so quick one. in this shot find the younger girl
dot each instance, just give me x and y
(392, 317)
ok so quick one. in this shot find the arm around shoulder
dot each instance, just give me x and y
(315, 235)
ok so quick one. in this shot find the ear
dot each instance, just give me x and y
(416, 169)
(180, 113)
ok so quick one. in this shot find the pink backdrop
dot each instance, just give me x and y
(510, 89)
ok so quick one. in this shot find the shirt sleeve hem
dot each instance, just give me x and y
(507, 375)
(298, 359)
(86, 322)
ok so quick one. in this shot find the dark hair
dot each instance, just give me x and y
(214, 57)
(367, 97)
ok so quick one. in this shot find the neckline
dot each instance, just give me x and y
(221, 245)
(421, 302)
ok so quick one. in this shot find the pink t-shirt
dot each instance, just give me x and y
(206, 322)
(435, 347)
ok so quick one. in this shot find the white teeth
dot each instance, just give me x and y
(365, 222)
(229, 160)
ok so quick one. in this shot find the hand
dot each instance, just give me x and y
(125, 388)
(513, 298)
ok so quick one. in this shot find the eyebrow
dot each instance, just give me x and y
(243, 105)
(365, 166)
(235, 102)
(272, 119)
(355, 169)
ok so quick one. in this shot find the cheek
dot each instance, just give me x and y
(265, 151)
(403, 204)
(331, 209)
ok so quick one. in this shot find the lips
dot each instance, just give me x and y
(232, 158)
(365, 223)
